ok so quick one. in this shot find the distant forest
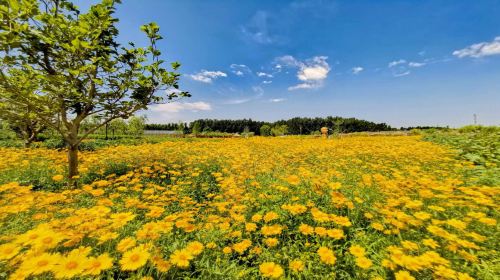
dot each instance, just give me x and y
(295, 126)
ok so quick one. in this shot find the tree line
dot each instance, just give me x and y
(294, 126)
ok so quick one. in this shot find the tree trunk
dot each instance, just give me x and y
(29, 140)
(72, 161)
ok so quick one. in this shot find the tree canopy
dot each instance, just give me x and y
(78, 66)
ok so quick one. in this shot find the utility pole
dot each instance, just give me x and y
(475, 119)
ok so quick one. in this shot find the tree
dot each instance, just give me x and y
(265, 130)
(196, 128)
(21, 118)
(117, 126)
(80, 69)
(279, 130)
(136, 125)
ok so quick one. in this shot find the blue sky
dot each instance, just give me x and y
(401, 62)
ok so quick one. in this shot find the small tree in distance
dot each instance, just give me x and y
(136, 125)
(196, 129)
(265, 130)
(79, 68)
(279, 130)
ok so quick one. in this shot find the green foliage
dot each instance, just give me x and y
(135, 125)
(279, 130)
(196, 128)
(477, 144)
(72, 67)
(6, 132)
(265, 130)
(296, 126)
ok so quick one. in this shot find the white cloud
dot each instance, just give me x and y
(357, 70)
(287, 60)
(205, 76)
(267, 82)
(237, 101)
(312, 72)
(240, 69)
(402, 74)
(262, 74)
(276, 100)
(416, 64)
(176, 107)
(396, 63)
(302, 86)
(480, 49)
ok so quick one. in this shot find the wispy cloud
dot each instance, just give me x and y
(175, 107)
(240, 69)
(480, 49)
(416, 64)
(257, 29)
(276, 100)
(263, 74)
(401, 74)
(258, 92)
(205, 76)
(237, 101)
(396, 63)
(267, 82)
(311, 72)
(356, 70)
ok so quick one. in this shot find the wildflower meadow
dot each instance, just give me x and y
(359, 207)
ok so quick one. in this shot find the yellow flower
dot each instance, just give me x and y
(430, 243)
(161, 264)
(256, 250)
(306, 229)
(403, 275)
(445, 272)
(211, 245)
(195, 248)
(249, 227)
(256, 218)
(464, 276)
(296, 265)
(321, 231)
(227, 250)
(125, 244)
(8, 251)
(271, 270)
(58, 178)
(377, 226)
(40, 264)
(99, 264)
(326, 255)
(357, 251)
(293, 180)
(271, 242)
(271, 230)
(181, 258)
(270, 216)
(242, 246)
(409, 245)
(134, 259)
(335, 233)
(363, 262)
(71, 265)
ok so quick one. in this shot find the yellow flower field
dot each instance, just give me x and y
(380, 207)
